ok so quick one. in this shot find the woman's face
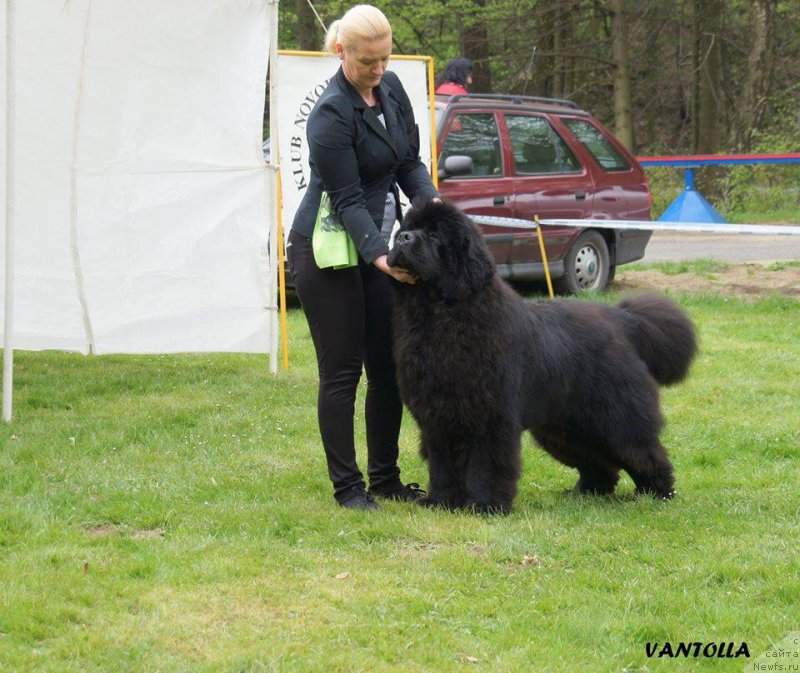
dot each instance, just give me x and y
(365, 62)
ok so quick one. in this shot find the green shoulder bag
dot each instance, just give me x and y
(333, 247)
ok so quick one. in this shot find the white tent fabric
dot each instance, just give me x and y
(301, 80)
(143, 202)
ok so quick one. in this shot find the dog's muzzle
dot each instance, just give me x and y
(401, 242)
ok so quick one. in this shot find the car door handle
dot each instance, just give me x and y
(580, 196)
(499, 200)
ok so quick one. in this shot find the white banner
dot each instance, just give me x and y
(143, 199)
(301, 81)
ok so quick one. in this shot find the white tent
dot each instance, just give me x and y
(141, 204)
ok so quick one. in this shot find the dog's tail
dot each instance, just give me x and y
(662, 334)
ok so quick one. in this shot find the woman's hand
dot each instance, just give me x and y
(396, 273)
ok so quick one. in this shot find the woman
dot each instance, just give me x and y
(363, 142)
(455, 79)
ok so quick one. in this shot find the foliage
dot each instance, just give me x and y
(563, 49)
(764, 188)
(173, 514)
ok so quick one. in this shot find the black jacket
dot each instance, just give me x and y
(357, 161)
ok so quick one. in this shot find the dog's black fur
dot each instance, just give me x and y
(477, 365)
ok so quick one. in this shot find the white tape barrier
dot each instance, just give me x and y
(688, 227)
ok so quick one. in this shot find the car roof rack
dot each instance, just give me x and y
(516, 99)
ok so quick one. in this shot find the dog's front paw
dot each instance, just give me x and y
(437, 501)
(488, 508)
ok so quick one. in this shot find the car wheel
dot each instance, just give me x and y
(587, 265)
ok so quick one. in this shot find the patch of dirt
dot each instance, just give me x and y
(525, 563)
(104, 530)
(148, 534)
(415, 547)
(109, 529)
(752, 281)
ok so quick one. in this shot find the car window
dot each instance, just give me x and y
(601, 148)
(474, 136)
(538, 148)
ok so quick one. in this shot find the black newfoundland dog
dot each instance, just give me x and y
(477, 365)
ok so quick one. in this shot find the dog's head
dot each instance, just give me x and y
(445, 249)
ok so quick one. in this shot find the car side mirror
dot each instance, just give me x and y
(456, 164)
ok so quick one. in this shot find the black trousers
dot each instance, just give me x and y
(349, 313)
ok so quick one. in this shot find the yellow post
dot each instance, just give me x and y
(432, 102)
(544, 256)
(282, 271)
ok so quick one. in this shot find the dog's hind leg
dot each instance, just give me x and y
(597, 476)
(596, 479)
(651, 471)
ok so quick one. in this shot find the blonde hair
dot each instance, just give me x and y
(361, 23)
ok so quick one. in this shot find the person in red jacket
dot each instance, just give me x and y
(455, 78)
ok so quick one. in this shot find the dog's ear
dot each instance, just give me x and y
(469, 266)
(462, 283)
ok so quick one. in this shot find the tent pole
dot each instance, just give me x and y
(274, 160)
(8, 348)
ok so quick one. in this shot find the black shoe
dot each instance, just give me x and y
(405, 492)
(360, 500)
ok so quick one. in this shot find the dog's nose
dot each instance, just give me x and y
(403, 237)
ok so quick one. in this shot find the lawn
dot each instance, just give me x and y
(173, 514)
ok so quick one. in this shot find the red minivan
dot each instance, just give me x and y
(521, 156)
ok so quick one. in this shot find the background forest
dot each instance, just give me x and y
(667, 76)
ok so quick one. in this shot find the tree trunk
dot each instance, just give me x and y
(708, 51)
(475, 46)
(559, 50)
(545, 45)
(308, 30)
(558, 58)
(694, 105)
(563, 45)
(623, 117)
(758, 76)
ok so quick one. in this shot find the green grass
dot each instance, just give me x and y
(173, 514)
(789, 214)
(780, 266)
(702, 267)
